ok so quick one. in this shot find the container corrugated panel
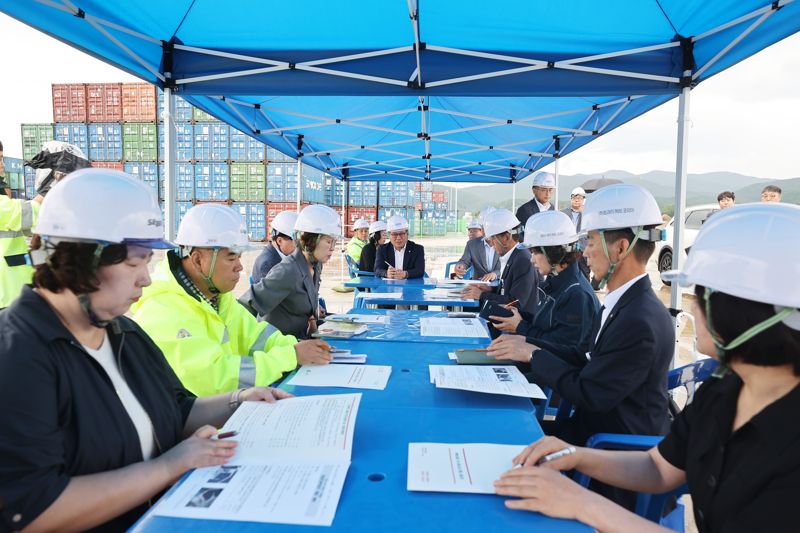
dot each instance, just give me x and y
(69, 102)
(245, 148)
(105, 141)
(313, 185)
(282, 182)
(437, 196)
(184, 178)
(138, 102)
(180, 211)
(13, 164)
(198, 115)
(248, 182)
(15, 180)
(74, 133)
(255, 217)
(275, 155)
(30, 182)
(104, 102)
(212, 181)
(147, 172)
(139, 141)
(113, 165)
(212, 141)
(183, 109)
(33, 137)
(184, 142)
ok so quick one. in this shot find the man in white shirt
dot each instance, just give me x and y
(399, 258)
(575, 211)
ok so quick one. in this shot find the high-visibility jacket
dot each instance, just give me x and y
(17, 217)
(208, 349)
(354, 248)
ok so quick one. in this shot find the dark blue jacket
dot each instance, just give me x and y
(530, 208)
(413, 259)
(518, 281)
(268, 258)
(621, 386)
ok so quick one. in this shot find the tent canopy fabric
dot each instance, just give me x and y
(450, 90)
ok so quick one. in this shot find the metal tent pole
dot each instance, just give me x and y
(514, 198)
(555, 190)
(299, 182)
(170, 181)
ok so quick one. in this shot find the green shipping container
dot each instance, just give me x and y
(248, 182)
(33, 137)
(139, 141)
(198, 115)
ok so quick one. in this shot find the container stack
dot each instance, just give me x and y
(14, 176)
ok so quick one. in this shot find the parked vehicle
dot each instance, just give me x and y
(694, 218)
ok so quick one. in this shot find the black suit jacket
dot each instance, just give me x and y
(367, 261)
(268, 258)
(529, 209)
(621, 386)
(413, 259)
(518, 281)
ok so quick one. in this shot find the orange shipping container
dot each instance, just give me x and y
(104, 102)
(115, 165)
(138, 102)
(69, 102)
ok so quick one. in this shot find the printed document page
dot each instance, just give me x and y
(356, 377)
(452, 327)
(523, 390)
(479, 373)
(458, 467)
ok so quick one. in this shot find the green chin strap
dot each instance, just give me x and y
(723, 349)
(207, 279)
(612, 266)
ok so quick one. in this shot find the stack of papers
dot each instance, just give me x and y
(340, 330)
(354, 377)
(460, 282)
(458, 467)
(289, 467)
(506, 380)
(381, 295)
(360, 319)
(441, 294)
(452, 327)
(346, 356)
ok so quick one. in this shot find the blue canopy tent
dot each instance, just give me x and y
(445, 90)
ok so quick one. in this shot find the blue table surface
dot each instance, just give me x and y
(416, 296)
(404, 326)
(369, 282)
(380, 447)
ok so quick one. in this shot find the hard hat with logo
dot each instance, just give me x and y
(578, 191)
(397, 223)
(378, 225)
(499, 221)
(549, 228)
(319, 219)
(474, 224)
(361, 223)
(544, 179)
(213, 226)
(283, 224)
(102, 206)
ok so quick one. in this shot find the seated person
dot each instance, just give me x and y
(474, 229)
(359, 239)
(281, 245)
(213, 343)
(480, 255)
(288, 298)
(518, 280)
(377, 236)
(399, 258)
(735, 445)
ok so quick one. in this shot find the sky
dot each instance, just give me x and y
(743, 120)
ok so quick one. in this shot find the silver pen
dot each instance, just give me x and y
(555, 455)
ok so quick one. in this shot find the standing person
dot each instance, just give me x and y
(735, 445)
(280, 247)
(543, 187)
(288, 298)
(95, 422)
(474, 229)
(213, 344)
(359, 239)
(377, 237)
(575, 212)
(726, 199)
(771, 194)
(518, 278)
(399, 258)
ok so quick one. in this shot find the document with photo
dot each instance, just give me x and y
(480, 373)
(452, 327)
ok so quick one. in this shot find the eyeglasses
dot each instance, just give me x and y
(397, 235)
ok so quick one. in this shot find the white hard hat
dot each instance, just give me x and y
(213, 226)
(319, 219)
(754, 239)
(578, 191)
(397, 223)
(378, 225)
(482, 215)
(283, 223)
(549, 228)
(102, 205)
(499, 221)
(474, 224)
(544, 179)
(621, 206)
(361, 223)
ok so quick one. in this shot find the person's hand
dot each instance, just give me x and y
(491, 276)
(391, 273)
(401, 274)
(263, 394)
(313, 352)
(322, 312)
(460, 269)
(312, 326)
(198, 451)
(545, 446)
(543, 490)
(511, 348)
(471, 292)
(507, 324)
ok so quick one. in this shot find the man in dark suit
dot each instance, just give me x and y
(399, 258)
(544, 184)
(281, 245)
(481, 255)
(575, 213)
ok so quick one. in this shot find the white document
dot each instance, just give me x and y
(441, 294)
(452, 356)
(289, 468)
(478, 373)
(346, 356)
(361, 319)
(469, 468)
(381, 295)
(446, 282)
(506, 388)
(355, 377)
(452, 327)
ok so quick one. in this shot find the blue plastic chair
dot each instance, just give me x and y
(467, 274)
(358, 302)
(688, 377)
(353, 270)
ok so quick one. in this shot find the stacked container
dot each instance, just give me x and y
(248, 182)
(75, 133)
(69, 102)
(103, 102)
(15, 176)
(33, 137)
(282, 182)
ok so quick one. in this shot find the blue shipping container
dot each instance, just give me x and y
(184, 143)
(313, 185)
(245, 148)
(13, 164)
(212, 141)
(212, 181)
(255, 217)
(147, 172)
(184, 179)
(275, 155)
(282, 182)
(183, 109)
(180, 210)
(105, 141)
(74, 133)
(30, 181)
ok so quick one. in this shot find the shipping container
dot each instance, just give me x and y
(33, 137)
(105, 141)
(147, 172)
(354, 213)
(363, 193)
(273, 208)
(212, 181)
(30, 182)
(245, 148)
(138, 102)
(212, 141)
(198, 115)
(184, 179)
(255, 217)
(275, 155)
(13, 165)
(184, 142)
(69, 102)
(183, 109)
(248, 182)
(313, 185)
(180, 211)
(282, 182)
(74, 133)
(113, 165)
(139, 141)
(437, 196)
(104, 102)
(334, 190)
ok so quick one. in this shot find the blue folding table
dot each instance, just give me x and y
(404, 326)
(380, 283)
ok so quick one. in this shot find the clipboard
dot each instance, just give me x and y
(477, 356)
